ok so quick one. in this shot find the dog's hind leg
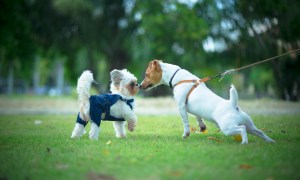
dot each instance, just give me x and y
(234, 130)
(78, 131)
(94, 132)
(201, 124)
(262, 135)
(252, 129)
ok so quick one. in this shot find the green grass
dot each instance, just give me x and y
(154, 151)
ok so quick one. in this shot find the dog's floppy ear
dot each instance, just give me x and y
(116, 77)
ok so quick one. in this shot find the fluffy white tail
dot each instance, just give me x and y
(83, 90)
(233, 96)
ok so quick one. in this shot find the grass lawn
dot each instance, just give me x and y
(39, 147)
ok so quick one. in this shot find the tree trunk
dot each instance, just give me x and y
(60, 76)
(36, 75)
(10, 79)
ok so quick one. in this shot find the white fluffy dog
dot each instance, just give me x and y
(201, 102)
(117, 107)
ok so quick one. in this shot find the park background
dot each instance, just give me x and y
(46, 44)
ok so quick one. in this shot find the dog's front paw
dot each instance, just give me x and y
(131, 126)
(186, 134)
(121, 136)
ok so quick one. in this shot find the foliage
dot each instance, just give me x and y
(206, 37)
(39, 146)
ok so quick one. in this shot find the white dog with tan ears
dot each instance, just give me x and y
(117, 107)
(192, 96)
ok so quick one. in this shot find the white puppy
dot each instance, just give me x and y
(201, 102)
(117, 107)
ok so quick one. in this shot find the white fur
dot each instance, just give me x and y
(203, 103)
(119, 110)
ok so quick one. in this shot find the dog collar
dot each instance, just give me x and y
(170, 82)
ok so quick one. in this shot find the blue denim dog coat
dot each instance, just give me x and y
(100, 108)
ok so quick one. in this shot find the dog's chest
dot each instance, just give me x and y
(117, 109)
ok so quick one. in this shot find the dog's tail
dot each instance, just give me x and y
(233, 96)
(83, 90)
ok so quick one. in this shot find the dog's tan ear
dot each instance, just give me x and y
(116, 77)
(155, 64)
(158, 60)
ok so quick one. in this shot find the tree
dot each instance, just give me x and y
(16, 46)
(273, 26)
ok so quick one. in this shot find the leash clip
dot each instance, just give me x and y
(222, 75)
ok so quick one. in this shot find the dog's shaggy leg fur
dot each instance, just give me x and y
(78, 131)
(120, 130)
(94, 131)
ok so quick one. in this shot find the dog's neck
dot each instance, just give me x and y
(168, 70)
(113, 90)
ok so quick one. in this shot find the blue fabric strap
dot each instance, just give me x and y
(128, 101)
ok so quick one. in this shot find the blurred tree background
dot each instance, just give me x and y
(46, 44)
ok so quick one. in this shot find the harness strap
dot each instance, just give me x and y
(197, 82)
(190, 91)
(128, 102)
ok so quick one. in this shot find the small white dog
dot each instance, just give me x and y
(201, 102)
(117, 107)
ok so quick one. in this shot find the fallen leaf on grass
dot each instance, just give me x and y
(205, 131)
(108, 142)
(213, 138)
(175, 173)
(105, 152)
(193, 129)
(238, 137)
(94, 176)
(246, 166)
(265, 130)
(61, 166)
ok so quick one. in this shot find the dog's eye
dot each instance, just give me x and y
(132, 84)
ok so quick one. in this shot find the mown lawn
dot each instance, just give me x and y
(39, 147)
